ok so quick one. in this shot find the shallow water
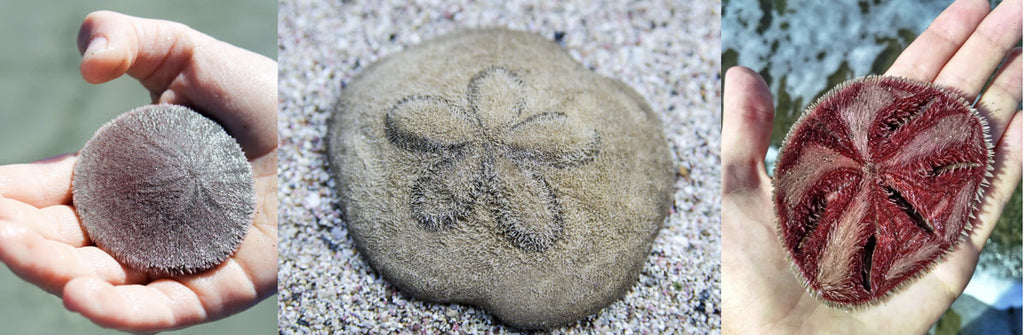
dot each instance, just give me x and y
(49, 110)
(801, 57)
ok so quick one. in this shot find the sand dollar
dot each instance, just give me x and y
(876, 183)
(164, 190)
(489, 168)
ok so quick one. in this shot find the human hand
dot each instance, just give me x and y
(760, 292)
(41, 239)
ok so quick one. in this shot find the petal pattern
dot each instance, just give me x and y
(524, 205)
(550, 138)
(445, 194)
(428, 124)
(491, 151)
(496, 98)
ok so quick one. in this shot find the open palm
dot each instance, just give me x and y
(962, 48)
(41, 239)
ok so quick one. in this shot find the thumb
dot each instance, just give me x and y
(747, 114)
(153, 51)
(179, 65)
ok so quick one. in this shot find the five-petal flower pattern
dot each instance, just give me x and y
(491, 149)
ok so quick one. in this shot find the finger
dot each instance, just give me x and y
(972, 64)
(1001, 98)
(178, 65)
(750, 269)
(1006, 177)
(56, 223)
(41, 184)
(747, 114)
(49, 264)
(160, 305)
(925, 57)
(153, 51)
(164, 303)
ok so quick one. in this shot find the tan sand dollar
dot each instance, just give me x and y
(489, 168)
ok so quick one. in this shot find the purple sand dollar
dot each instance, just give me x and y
(164, 190)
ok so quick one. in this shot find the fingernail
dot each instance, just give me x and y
(97, 44)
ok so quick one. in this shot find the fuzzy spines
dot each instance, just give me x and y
(164, 190)
(489, 168)
(490, 153)
(922, 103)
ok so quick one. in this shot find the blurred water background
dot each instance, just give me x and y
(49, 110)
(804, 48)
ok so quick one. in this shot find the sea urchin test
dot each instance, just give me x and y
(489, 168)
(164, 190)
(876, 183)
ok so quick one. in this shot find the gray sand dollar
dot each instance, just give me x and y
(489, 168)
(164, 190)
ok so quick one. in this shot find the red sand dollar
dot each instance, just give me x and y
(876, 183)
